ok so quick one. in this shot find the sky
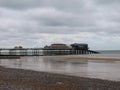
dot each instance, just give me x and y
(36, 23)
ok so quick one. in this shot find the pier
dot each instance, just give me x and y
(42, 51)
(53, 49)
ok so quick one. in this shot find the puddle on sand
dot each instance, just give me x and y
(91, 68)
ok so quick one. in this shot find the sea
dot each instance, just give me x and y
(108, 53)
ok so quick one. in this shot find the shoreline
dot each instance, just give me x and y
(67, 57)
(17, 79)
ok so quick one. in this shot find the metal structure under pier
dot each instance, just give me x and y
(21, 52)
(66, 52)
(42, 51)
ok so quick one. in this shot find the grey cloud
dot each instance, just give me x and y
(54, 17)
(23, 4)
(50, 20)
(35, 21)
(108, 1)
(41, 20)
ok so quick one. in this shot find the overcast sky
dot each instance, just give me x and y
(35, 23)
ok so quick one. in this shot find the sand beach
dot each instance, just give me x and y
(23, 79)
(18, 79)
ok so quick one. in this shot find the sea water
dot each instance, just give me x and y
(108, 53)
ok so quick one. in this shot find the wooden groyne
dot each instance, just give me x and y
(91, 51)
(9, 57)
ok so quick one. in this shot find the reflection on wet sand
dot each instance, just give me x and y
(83, 68)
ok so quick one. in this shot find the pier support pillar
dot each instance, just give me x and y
(0, 52)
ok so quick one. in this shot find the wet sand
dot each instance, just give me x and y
(83, 57)
(18, 79)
